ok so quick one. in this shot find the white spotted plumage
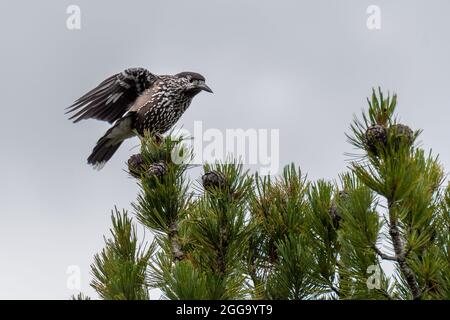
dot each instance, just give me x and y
(136, 101)
(164, 107)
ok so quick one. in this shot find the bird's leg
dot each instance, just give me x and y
(158, 138)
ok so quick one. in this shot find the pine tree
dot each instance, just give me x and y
(236, 235)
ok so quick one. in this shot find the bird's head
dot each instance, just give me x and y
(194, 83)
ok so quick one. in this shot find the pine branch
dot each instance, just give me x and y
(383, 255)
(164, 196)
(174, 240)
(401, 254)
(223, 247)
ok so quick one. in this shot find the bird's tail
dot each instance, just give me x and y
(103, 151)
(108, 144)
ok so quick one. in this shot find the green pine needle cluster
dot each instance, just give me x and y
(120, 269)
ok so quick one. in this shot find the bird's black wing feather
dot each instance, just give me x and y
(112, 98)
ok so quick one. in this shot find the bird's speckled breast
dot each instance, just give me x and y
(162, 106)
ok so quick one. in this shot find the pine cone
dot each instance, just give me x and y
(213, 180)
(157, 169)
(343, 195)
(334, 211)
(401, 135)
(135, 165)
(375, 138)
(335, 215)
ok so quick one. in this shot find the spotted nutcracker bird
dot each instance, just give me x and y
(135, 101)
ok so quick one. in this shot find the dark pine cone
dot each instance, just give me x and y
(213, 180)
(135, 165)
(334, 210)
(335, 215)
(375, 138)
(157, 169)
(343, 195)
(401, 134)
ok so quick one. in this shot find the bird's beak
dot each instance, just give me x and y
(196, 87)
(204, 87)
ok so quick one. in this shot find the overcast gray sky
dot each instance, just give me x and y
(303, 67)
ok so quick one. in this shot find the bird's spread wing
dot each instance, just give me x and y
(112, 98)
